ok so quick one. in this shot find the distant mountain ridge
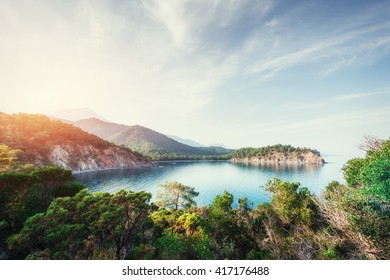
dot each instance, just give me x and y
(44, 141)
(99, 127)
(188, 142)
(147, 141)
(76, 114)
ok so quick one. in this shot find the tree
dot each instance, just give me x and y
(293, 204)
(8, 158)
(375, 173)
(372, 173)
(23, 195)
(371, 143)
(98, 225)
(175, 195)
(365, 199)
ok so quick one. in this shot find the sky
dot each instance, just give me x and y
(243, 73)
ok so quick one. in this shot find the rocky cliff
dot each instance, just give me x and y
(88, 157)
(43, 141)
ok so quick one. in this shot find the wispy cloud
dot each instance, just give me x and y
(375, 92)
(331, 121)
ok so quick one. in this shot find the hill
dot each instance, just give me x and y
(159, 146)
(44, 141)
(277, 154)
(149, 142)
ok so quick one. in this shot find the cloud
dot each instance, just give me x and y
(156, 56)
(329, 122)
(347, 97)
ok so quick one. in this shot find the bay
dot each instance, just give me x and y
(211, 178)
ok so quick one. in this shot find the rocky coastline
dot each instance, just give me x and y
(282, 158)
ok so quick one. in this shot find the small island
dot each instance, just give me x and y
(277, 154)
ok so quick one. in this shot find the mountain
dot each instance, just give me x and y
(218, 145)
(44, 141)
(75, 114)
(188, 142)
(147, 141)
(100, 128)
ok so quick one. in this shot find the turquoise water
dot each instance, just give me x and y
(211, 178)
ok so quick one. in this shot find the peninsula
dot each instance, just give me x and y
(277, 154)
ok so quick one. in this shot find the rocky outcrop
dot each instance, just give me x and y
(283, 158)
(88, 158)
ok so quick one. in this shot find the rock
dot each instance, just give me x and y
(88, 157)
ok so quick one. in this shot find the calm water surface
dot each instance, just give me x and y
(211, 178)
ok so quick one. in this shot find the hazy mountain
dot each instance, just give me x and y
(188, 142)
(43, 141)
(76, 114)
(100, 128)
(146, 141)
(218, 145)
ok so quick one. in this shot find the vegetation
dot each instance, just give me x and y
(31, 138)
(263, 151)
(176, 196)
(36, 135)
(97, 226)
(44, 218)
(157, 146)
(150, 143)
(8, 158)
(23, 195)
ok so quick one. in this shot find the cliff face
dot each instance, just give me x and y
(88, 157)
(283, 158)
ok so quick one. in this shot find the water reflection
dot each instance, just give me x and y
(281, 167)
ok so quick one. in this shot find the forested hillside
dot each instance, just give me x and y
(148, 142)
(40, 140)
(277, 154)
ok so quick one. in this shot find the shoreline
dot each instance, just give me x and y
(112, 168)
(187, 160)
(152, 165)
(274, 162)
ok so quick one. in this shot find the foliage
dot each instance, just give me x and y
(76, 227)
(23, 195)
(365, 200)
(375, 173)
(292, 203)
(170, 247)
(361, 218)
(352, 172)
(176, 196)
(372, 173)
(263, 151)
(7, 158)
